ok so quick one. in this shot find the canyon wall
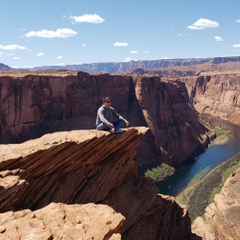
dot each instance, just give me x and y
(213, 88)
(83, 184)
(36, 104)
(218, 95)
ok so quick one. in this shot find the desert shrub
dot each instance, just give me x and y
(160, 173)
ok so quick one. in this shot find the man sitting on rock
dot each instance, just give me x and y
(106, 115)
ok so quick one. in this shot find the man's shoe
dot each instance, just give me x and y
(112, 130)
(118, 131)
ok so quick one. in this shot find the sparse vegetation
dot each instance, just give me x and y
(160, 173)
(200, 193)
(221, 135)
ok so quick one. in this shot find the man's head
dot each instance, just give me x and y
(106, 101)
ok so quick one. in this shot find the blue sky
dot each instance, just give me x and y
(61, 32)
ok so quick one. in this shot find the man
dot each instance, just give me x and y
(105, 117)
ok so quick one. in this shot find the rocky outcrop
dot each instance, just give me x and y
(62, 221)
(33, 105)
(222, 217)
(218, 95)
(53, 177)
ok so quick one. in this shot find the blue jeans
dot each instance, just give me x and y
(117, 126)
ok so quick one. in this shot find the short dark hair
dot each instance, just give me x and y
(104, 99)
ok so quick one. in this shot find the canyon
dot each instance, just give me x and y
(212, 88)
(52, 158)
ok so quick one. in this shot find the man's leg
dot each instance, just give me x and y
(103, 126)
(117, 125)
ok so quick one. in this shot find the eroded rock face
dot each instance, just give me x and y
(218, 95)
(175, 124)
(81, 167)
(34, 105)
(222, 218)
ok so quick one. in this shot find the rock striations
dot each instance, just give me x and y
(83, 184)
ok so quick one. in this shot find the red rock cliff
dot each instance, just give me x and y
(33, 105)
(56, 177)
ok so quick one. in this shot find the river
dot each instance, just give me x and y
(203, 164)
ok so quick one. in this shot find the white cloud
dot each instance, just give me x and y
(27, 66)
(16, 58)
(59, 57)
(88, 18)
(236, 45)
(182, 35)
(130, 60)
(238, 21)
(40, 54)
(146, 52)
(12, 47)
(203, 23)
(59, 33)
(120, 44)
(218, 38)
(133, 52)
(22, 29)
(84, 44)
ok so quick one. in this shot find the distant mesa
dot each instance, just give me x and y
(128, 67)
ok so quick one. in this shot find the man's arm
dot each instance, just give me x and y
(102, 117)
(119, 116)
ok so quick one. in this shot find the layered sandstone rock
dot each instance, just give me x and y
(33, 105)
(80, 167)
(222, 218)
(57, 167)
(218, 95)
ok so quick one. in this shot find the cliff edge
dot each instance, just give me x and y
(85, 183)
